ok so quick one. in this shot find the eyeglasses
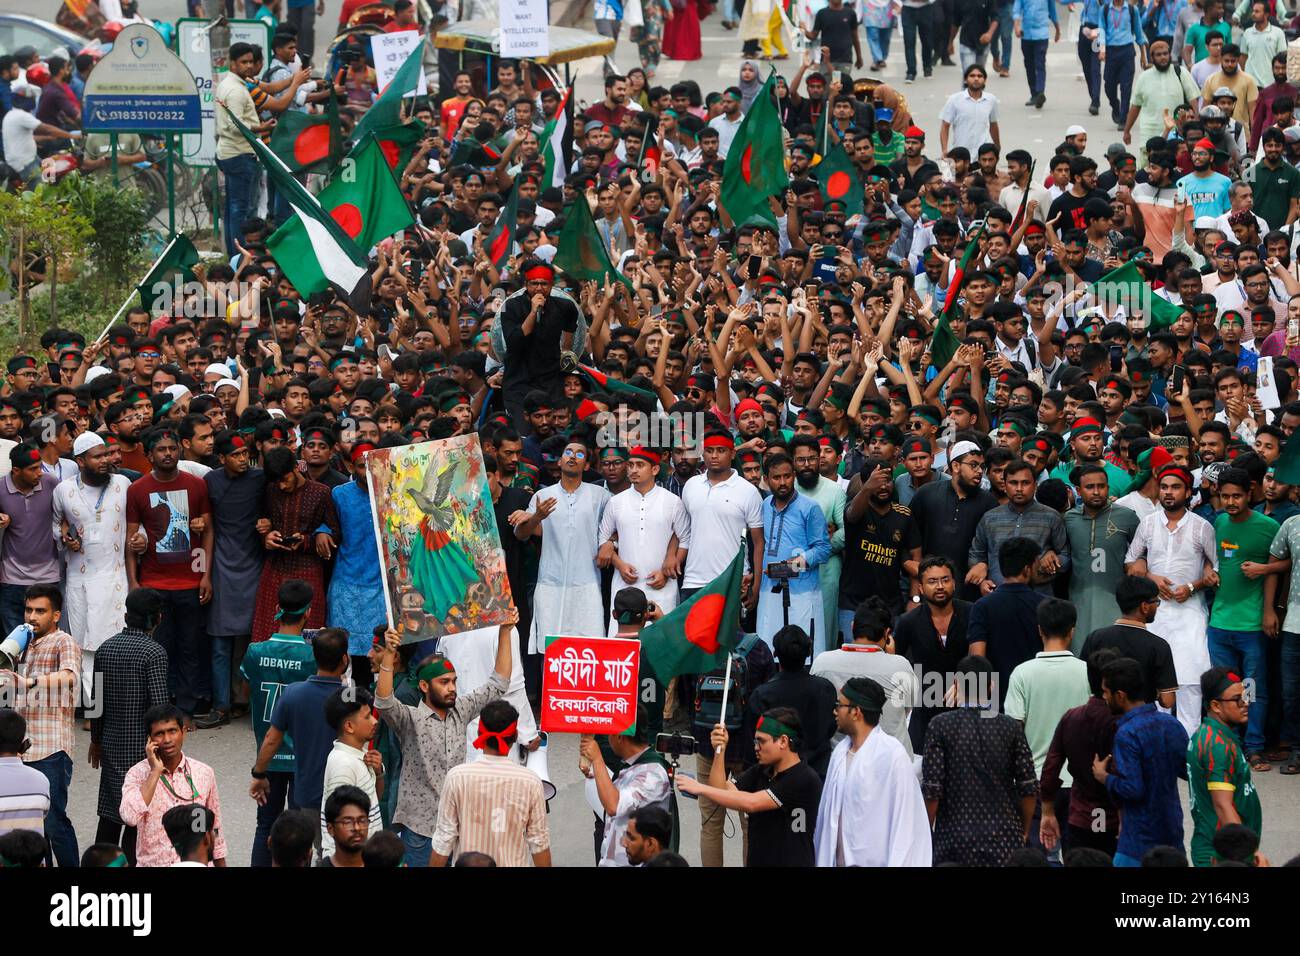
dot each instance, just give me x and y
(570, 453)
(916, 426)
(149, 354)
(838, 706)
(352, 823)
(1236, 699)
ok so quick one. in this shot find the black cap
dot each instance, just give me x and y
(630, 605)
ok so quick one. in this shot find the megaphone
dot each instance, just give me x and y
(536, 761)
(12, 647)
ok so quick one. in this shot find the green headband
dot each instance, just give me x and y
(434, 668)
(774, 729)
(284, 611)
(861, 701)
(929, 416)
(837, 402)
(1016, 425)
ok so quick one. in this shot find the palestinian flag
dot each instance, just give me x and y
(178, 259)
(398, 143)
(309, 142)
(1126, 287)
(611, 385)
(697, 635)
(557, 143)
(387, 110)
(501, 243)
(755, 167)
(944, 344)
(839, 180)
(311, 248)
(582, 253)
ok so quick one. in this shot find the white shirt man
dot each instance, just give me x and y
(720, 513)
(648, 527)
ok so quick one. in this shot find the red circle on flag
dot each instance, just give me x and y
(837, 186)
(312, 144)
(392, 153)
(702, 622)
(348, 217)
(745, 161)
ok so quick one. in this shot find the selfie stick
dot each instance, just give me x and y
(726, 688)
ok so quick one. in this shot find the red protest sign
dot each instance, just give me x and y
(589, 685)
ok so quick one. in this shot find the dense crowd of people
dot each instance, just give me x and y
(1017, 549)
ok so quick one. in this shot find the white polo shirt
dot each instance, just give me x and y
(720, 514)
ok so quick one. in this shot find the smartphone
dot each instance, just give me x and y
(1116, 357)
(416, 269)
(52, 368)
(1180, 194)
(1176, 381)
(290, 540)
(755, 263)
(1293, 328)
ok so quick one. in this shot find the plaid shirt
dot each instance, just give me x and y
(1036, 521)
(49, 711)
(132, 668)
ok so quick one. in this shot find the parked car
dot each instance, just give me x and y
(47, 38)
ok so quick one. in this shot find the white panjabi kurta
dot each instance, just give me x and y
(644, 525)
(1180, 555)
(94, 593)
(872, 812)
(567, 599)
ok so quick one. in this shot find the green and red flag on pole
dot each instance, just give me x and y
(944, 344)
(699, 634)
(309, 142)
(754, 170)
(611, 385)
(501, 242)
(582, 253)
(1126, 287)
(387, 110)
(398, 143)
(839, 180)
(557, 142)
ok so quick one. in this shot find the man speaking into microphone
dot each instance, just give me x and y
(537, 324)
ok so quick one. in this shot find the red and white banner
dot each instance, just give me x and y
(589, 685)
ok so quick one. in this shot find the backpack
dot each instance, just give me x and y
(709, 689)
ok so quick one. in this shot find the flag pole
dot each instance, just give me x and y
(125, 305)
(379, 542)
(726, 688)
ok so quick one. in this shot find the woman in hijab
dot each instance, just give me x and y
(750, 83)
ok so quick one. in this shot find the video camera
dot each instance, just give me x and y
(781, 571)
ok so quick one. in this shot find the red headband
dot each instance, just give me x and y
(719, 441)
(645, 454)
(360, 449)
(540, 272)
(501, 738)
(748, 404)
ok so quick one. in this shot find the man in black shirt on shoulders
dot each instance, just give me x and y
(837, 26)
(1139, 599)
(882, 546)
(948, 512)
(780, 792)
(933, 637)
(812, 698)
(537, 324)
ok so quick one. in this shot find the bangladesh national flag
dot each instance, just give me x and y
(612, 385)
(557, 143)
(178, 259)
(1126, 287)
(501, 243)
(363, 198)
(839, 180)
(755, 165)
(309, 142)
(312, 249)
(387, 110)
(582, 252)
(697, 635)
(944, 344)
(398, 143)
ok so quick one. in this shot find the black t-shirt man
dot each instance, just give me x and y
(784, 836)
(875, 548)
(976, 15)
(1070, 208)
(835, 30)
(533, 361)
(1150, 650)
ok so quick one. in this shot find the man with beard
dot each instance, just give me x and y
(1232, 77)
(1219, 784)
(1176, 550)
(432, 734)
(1155, 203)
(90, 513)
(882, 546)
(1087, 442)
(797, 544)
(536, 324)
(1277, 98)
(805, 452)
(1274, 183)
(948, 512)
(1021, 517)
(1207, 190)
(686, 465)
(125, 423)
(1099, 534)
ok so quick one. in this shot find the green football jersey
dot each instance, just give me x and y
(269, 666)
(1216, 761)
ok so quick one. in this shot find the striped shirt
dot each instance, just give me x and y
(494, 806)
(24, 796)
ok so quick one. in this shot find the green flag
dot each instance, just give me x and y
(397, 143)
(177, 259)
(387, 110)
(944, 344)
(1125, 286)
(501, 241)
(755, 167)
(697, 635)
(839, 180)
(363, 198)
(612, 385)
(582, 253)
(309, 142)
